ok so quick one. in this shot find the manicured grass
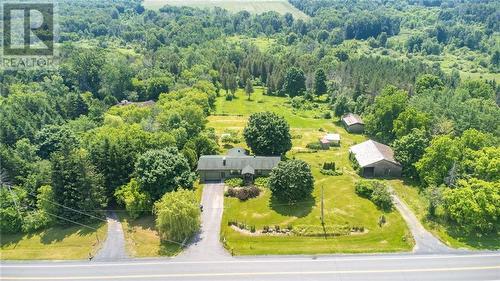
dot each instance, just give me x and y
(252, 6)
(418, 203)
(342, 205)
(55, 243)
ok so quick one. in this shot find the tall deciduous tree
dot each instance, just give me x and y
(291, 181)
(161, 171)
(387, 107)
(438, 159)
(268, 134)
(177, 215)
(409, 149)
(295, 82)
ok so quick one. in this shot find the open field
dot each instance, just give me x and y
(252, 6)
(342, 205)
(55, 243)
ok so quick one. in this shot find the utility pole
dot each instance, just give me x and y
(322, 206)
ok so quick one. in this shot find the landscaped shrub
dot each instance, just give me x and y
(319, 231)
(375, 191)
(243, 193)
(229, 97)
(364, 188)
(381, 197)
(329, 166)
(314, 145)
(234, 182)
(262, 182)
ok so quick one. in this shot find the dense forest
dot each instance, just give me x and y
(134, 88)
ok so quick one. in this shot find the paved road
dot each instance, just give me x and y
(114, 246)
(425, 242)
(407, 267)
(206, 245)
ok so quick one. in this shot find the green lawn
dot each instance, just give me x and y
(342, 205)
(56, 243)
(252, 6)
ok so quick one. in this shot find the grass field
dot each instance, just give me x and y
(252, 6)
(56, 243)
(342, 205)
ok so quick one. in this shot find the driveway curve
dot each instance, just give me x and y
(425, 242)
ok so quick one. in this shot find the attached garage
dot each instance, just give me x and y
(211, 176)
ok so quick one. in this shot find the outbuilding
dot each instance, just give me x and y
(375, 160)
(236, 163)
(330, 140)
(353, 123)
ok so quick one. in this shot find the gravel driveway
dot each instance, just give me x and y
(425, 242)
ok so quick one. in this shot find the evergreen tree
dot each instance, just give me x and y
(76, 185)
(320, 82)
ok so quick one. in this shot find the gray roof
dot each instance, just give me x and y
(236, 151)
(351, 119)
(216, 162)
(248, 170)
(370, 152)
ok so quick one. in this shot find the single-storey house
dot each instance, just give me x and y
(236, 163)
(375, 159)
(353, 123)
(140, 104)
(330, 140)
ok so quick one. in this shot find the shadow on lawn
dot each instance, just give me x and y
(49, 235)
(299, 209)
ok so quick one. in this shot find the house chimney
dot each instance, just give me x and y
(224, 161)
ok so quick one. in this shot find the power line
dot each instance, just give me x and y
(80, 212)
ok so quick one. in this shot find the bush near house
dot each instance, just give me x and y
(234, 182)
(243, 193)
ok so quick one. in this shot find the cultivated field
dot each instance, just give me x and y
(252, 6)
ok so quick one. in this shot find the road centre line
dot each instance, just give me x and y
(264, 260)
(258, 273)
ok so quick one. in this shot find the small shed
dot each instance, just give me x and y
(330, 140)
(353, 123)
(375, 160)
